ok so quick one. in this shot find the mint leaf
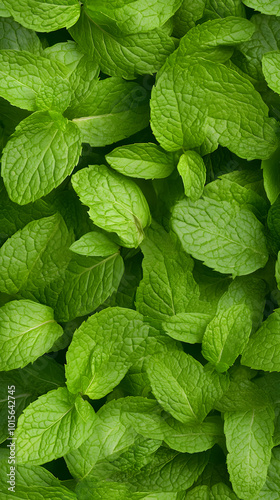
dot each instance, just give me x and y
(270, 7)
(43, 150)
(40, 493)
(44, 421)
(262, 350)
(146, 161)
(168, 286)
(186, 17)
(225, 237)
(117, 204)
(270, 67)
(271, 176)
(193, 172)
(182, 386)
(16, 85)
(194, 437)
(94, 244)
(44, 16)
(271, 486)
(249, 442)
(210, 127)
(187, 327)
(27, 331)
(126, 55)
(14, 36)
(4, 12)
(110, 111)
(226, 336)
(111, 336)
(34, 256)
(223, 8)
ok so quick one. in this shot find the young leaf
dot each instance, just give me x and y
(145, 161)
(271, 176)
(44, 16)
(115, 204)
(226, 336)
(193, 172)
(102, 351)
(27, 331)
(168, 286)
(183, 387)
(249, 443)
(187, 327)
(185, 18)
(54, 424)
(111, 111)
(225, 237)
(34, 256)
(271, 487)
(16, 85)
(262, 351)
(270, 67)
(126, 55)
(223, 8)
(43, 150)
(269, 7)
(94, 244)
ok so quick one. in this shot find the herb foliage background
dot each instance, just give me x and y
(139, 232)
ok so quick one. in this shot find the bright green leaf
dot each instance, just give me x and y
(94, 244)
(192, 169)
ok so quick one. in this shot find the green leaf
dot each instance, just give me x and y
(146, 161)
(40, 427)
(27, 331)
(271, 66)
(185, 18)
(216, 113)
(249, 443)
(226, 336)
(110, 111)
(187, 327)
(38, 493)
(271, 176)
(126, 55)
(102, 351)
(193, 172)
(242, 395)
(223, 8)
(132, 17)
(269, 7)
(183, 386)
(168, 286)
(17, 85)
(144, 415)
(4, 12)
(271, 487)
(194, 437)
(266, 38)
(34, 256)
(41, 153)
(116, 204)
(262, 351)
(94, 244)
(16, 37)
(85, 284)
(225, 237)
(44, 16)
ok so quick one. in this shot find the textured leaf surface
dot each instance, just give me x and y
(183, 387)
(187, 327)
(111, 111)
(38, 493)
(168, 286)
(94, 244)
(271, 176)
(194, 438)
(249, 444)
(102, 351)
(47, 16)
(146, 161)
(116, 203)
(194, 106)
(226, 336)
(271, 487)
(14, 36)
(193, 172)
(126, 55)
(22, 75)
(225, 237)
(269, 7)
(271, 67)
(51, 426)
(33, 256)
(41, 153)
(262, 351)
(27, 331)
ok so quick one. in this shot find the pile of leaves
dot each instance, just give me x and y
(139, 239)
